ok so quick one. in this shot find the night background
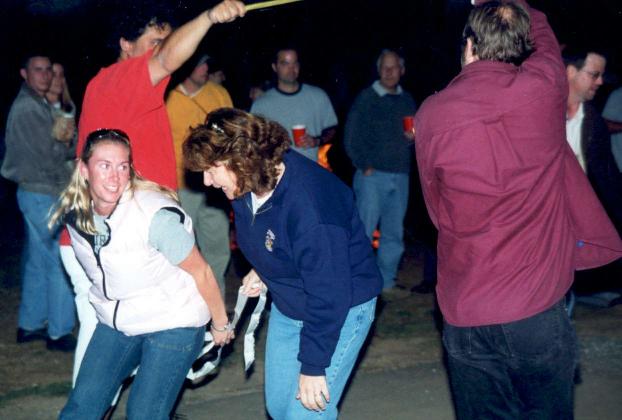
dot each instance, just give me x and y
(339, 40)
(338, 43)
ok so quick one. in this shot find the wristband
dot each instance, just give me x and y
(226, 328)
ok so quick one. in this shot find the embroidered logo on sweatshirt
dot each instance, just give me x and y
(269, 240)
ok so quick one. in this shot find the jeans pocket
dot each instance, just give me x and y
(539, 336)
(456, 340)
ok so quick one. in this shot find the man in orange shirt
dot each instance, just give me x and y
(187, 106)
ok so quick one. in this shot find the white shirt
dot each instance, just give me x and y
(258, 202)
(573, 135)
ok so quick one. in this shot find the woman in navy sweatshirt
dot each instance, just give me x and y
(297, 225)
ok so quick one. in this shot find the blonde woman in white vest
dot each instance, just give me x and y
(152, 290)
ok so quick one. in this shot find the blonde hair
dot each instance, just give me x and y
(76, 198)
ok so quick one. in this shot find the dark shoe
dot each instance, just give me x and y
(423, 288)
(65, 343)
(26, 336)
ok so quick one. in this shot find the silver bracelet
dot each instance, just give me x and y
(226, 328)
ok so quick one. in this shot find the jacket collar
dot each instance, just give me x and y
(485, 66)
(291, 169)
(30, 92)
(382, 91)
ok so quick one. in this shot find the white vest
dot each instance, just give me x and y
(136, 290)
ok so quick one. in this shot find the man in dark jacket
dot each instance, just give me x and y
(40, 165)
(590, 141)
(375, 142)
(587, 132)
(515, 214)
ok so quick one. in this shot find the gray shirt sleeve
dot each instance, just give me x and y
(168, 235)
(613, 108)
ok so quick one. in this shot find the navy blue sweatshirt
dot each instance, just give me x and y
(308, 245)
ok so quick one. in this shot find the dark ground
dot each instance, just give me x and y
(401, 374)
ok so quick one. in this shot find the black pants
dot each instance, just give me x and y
(518, 370)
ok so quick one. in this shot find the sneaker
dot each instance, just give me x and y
(65, 343)
(26, 336)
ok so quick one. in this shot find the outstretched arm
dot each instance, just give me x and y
(183, 42)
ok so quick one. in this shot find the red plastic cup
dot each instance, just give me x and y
(409, 124)
(299, 131)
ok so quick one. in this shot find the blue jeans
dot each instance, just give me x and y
(283, 367)
(519, 370)
(164, 358)
(46, 293)
(382, 199)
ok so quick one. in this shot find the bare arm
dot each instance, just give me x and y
(206, 283)
(183, 42)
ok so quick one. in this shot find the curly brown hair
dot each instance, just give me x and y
(249, 145)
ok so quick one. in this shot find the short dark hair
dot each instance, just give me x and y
(288, 47)
(251, 146)
(32, 54)
(576, 55)
(186, 69)
(132, 18)
(214, 65)
(499, 31)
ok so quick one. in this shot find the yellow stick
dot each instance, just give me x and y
(266, 4)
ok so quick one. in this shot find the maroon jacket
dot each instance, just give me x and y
(515, 213)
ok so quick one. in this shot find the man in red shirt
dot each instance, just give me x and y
(516, 216)
(129, 95)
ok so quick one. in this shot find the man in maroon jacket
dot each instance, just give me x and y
(516, 216)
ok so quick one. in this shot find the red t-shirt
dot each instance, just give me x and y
(121, 96)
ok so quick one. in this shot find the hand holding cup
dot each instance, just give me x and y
(409, 126)
(301, 138)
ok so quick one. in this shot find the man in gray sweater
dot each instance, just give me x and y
(41, 166)
(379, 149)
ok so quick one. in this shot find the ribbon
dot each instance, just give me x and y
(249, 337)
(266, 4)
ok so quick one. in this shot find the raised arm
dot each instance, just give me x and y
(183, 42)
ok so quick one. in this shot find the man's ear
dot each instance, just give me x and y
(469, 53)
(571, 71)
(274, 67)
(126, 46)
(23, 73)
